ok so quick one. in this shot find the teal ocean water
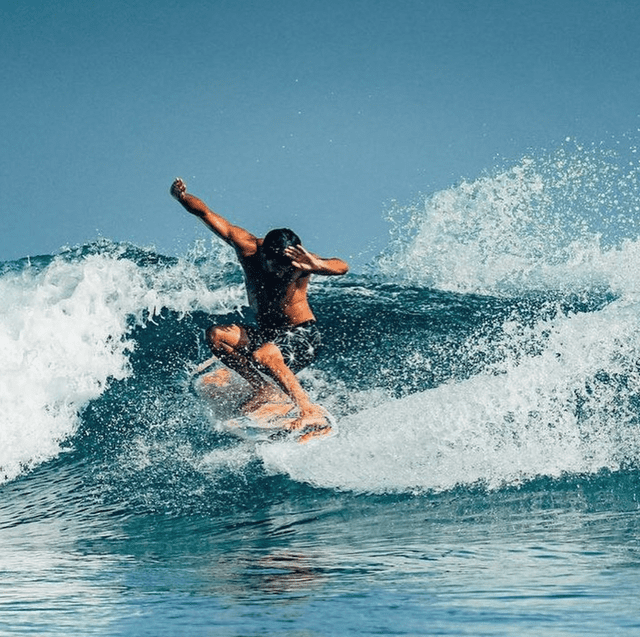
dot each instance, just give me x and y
(484, 371)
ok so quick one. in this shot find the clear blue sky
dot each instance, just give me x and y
(308, 113)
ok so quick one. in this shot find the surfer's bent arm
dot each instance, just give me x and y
(237, 237)
(313, 264)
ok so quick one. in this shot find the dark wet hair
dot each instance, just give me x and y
(276, 241)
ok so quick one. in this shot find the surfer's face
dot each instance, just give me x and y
(276, 267)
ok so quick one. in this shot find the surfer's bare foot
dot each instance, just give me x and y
(268, 395)
(315, 432)
(312, 417)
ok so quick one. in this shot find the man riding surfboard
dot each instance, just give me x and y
(277, 270)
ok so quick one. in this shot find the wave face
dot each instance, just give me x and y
(495, 341)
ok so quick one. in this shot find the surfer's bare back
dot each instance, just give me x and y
(286, 339)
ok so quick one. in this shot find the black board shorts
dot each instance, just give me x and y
(299, 344)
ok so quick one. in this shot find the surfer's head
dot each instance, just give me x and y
(275, 243)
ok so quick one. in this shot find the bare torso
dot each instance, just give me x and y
(278, 298)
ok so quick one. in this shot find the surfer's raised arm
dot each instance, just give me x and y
(239, 238)
(283, 338)
(313, 264)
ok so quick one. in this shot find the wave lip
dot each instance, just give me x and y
(65, 334)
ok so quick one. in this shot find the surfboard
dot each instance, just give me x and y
(274, 426)
(225, 393)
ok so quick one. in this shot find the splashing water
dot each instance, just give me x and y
(64, 327)
(562, 221)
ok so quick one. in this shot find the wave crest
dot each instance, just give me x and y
(561, 221)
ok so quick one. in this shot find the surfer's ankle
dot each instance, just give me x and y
(310, 410)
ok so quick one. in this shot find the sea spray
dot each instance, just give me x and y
(556, 390)
(64, 334)
(553, 221)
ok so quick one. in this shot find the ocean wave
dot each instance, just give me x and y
(567, 220)
(65, 328)
(494, 341)
(567, 406)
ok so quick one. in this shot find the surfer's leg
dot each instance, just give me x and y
(269, 357)
(229, 343)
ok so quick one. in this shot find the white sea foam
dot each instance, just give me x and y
(568, 410)
(63, 336)
(566, 222)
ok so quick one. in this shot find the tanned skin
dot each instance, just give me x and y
(227, 341)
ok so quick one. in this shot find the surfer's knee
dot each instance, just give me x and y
(223, 338)
(268, 355)
(212, 336)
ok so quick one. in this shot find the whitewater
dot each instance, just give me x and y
(483, 370)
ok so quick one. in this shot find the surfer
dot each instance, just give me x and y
(277, 270)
